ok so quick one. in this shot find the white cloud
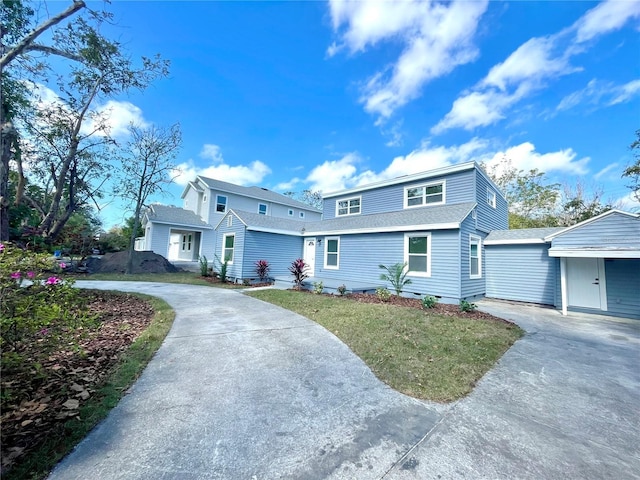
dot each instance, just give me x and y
(606, 17)
(289, 186)
(436, 38)
(525, 157)
(251, 174)
(609, 168)
(476, 109)
(113, 118)
(628, 203)
(334, 174)
(598, 93)
(626, 92)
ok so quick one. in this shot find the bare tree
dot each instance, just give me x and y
(147, 167)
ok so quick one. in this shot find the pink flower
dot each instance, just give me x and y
(2, 247)
(63, 265)
(16, 275)
(31, 274)
(53, 281)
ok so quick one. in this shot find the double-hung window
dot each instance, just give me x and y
(228, 243)
(417, 254)
(348, 206)
(427, 194)
(475, 258)
(332, 253)
(221, 204)
(491, 198)
(262, 208)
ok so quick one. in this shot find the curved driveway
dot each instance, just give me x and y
(241, 389)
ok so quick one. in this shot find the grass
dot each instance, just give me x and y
(190, 278)
(427, 356)
(40, 462)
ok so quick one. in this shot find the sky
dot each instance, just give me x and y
(330, 95)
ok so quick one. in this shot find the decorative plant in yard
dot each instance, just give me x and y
(429, 301)
(466, 306)
(342, 289)
(396, 275)
(318, 288)
(204, 266)
(223, 269)
(262, 270)
(299, 271)
(383, 294)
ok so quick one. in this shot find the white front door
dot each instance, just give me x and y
(309, 255)
(174, 246)
(586, 282)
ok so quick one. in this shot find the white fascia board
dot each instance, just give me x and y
(184, 225)
(593, 253)
(590, 220)
(519, 241)
(407, 228)
(438, 172)
(229, 212)
(275, 230)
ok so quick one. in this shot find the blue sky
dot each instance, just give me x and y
(329, 95)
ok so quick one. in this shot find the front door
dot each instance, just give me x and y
(585, 282)
(309, 255)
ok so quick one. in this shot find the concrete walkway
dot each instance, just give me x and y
(241, 389)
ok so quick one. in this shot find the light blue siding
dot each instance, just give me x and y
(459, 188)
(159, 239)
(614, 230)
(238, 228)
(470, 287)
(278, 250)
(524, 273)
(623, 286)
(490, 218)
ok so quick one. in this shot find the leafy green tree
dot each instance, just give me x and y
(632, 172)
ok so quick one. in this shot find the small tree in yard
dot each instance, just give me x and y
(299, 271)
(262, 270)
(396, 275)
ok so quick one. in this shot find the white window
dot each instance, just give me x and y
(301, 214)
(332, 253)
(229, 221)
(348, 206)
(427, 194)
(221, 203)
(491, 198)
(417, 254)
(262, 208)
(186, 242)
(228, 241)
(290, 212)
(475, 257)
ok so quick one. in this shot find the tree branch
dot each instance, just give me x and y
(36, 47)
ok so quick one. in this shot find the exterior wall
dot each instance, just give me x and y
(459, 187)
(623, 286)
(278, 250)
(237, 227)
(190, 200)
(159, 239)
(470, 287)
(360, 256)
(614, 230)
(490, 218)
(523, 273)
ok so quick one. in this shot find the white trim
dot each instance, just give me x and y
(226, 203)
(493, 199)
(426, 235)
(603, 284)
(326, 253)
(290, 212)
(563, 286)
(348, 200)
(478, 241)
(174, 224)
(402, 228)
(592, 252)
(519, 241)
(224, 243)
(442, 182)
(229, 221)
(590, 220)
(301, 214)
(266, 208)
(230, 212)
(274, 230)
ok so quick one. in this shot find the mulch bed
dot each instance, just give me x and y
(43, 399)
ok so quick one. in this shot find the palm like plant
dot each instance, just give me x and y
(396, 275)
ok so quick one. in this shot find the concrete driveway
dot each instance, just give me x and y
(241, 389)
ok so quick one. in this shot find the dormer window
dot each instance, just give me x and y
(221, 204)
(348, 206)
(491, 198)
(427, 194)
(262, 208)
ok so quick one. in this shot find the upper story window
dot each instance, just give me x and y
(491, 198)
(348, 206)
(427, 194)
(262, 208)
(221, 204)
(301, 214)
(290, 212)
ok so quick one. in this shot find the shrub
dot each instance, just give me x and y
(299, 271)
(383, 294)
(204, 266)
(396, 275)
(223, 269)
(342, 289)
(262, 270)
(429, 301)
(318, 287)
(467, 306)
(246, 282)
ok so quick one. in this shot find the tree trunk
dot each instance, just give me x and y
(9, 135)
(132, 242)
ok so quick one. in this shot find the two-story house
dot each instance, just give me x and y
(187, 233)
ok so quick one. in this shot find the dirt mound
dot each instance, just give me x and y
(143, 262)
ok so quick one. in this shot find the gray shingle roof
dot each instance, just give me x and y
(175, 216)
(256, 192)
(521, 235)
(257, 221)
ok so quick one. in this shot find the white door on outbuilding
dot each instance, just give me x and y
(309, 255)
(586, 283)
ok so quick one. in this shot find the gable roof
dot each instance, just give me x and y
(520, 236)
(436, 172)
(591, 220)
(266, 223)
(258, 193)
(169, 214)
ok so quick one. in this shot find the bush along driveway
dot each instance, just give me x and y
(244, 389)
